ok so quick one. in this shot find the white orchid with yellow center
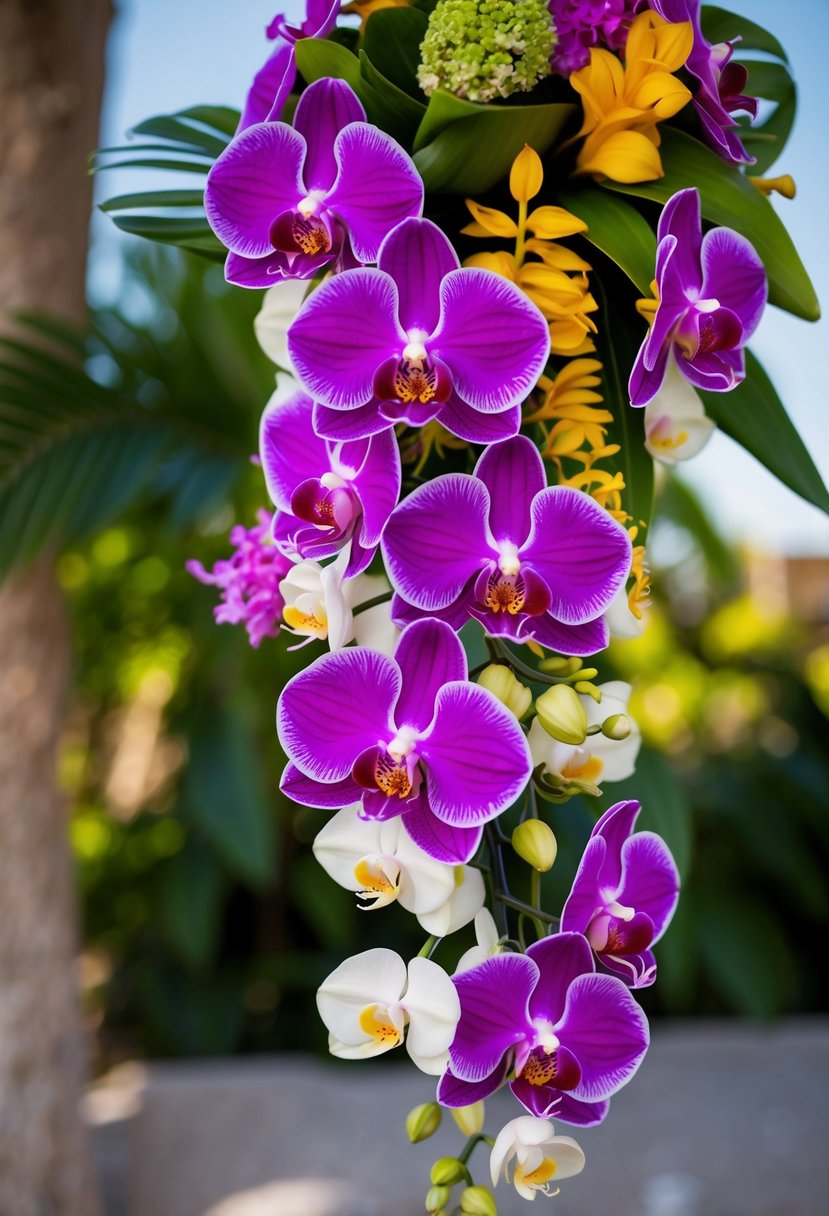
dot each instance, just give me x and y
(528, 1149)
(596, 758)
(320, 605)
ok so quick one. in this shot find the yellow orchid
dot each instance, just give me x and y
(623, 105)
(364, 8)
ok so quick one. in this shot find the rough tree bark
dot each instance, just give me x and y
(51, 79)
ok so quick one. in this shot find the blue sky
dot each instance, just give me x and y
(165, 56)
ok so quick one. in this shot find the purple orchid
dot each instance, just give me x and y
(273, 82)
(405, 736)
(416, 339)
(624, 895)
(571, 1038)
(249, 581)
(720, 83)
(711, 293)
(525, 559)
(326, 493)
(289, 200)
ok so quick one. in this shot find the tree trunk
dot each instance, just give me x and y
(51, 79)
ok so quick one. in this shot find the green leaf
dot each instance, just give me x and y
(195, 233)
(618, 230)
(387, 106)
(171, 126)
(318, 57)
(729, 198)
(665, 806)
(719, 25)
(392, 44)
(681, 505)
(464, 148)
(225, 794)
(744, 949)
(190, 904)
(766, 140)
(755, 417)
(155, 198)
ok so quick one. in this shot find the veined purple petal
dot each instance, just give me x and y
(443, 841)
(634, 970)
(673, 300)
(454, 1092)
(255, 179)
(473, 426)
(359, 423)
(437, 540)
(494, 999)
(493, 338)
(308, 792)
(584, 899)
(607, 1031)
(650, 881)
(377, 187)
(275, 268)
(289, 449)
(323, 110)
(579, 550)
(513, 473)
(645, 383)
(429, 655)
(271, 85)
(336, 708)
(560, 959)
(681, 217)
(734, 275)
(455, 615)
(477, 758)
(580, 1114)
(545, 1100)
(418, 256)
(581, 640)
(343, 333)
(717, 371)
(377, 482)
(320, 18)
(614, 827)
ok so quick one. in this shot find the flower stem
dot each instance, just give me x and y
(428, 947)
(528, 909)
(505, 654)
(372, 603)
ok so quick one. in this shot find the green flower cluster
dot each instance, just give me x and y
(481, 49)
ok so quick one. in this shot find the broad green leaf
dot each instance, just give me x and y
(766, 140)
(219, 118)
(392, 43)
(728, 198)
(224, 793)
(719, 25)
(618, 230)
(442, 109)
(754, 416)
(471, 154)
(665, 806)
(389, 107)
(318, 57)
(196, 233)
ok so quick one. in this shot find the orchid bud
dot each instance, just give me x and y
(562, 714)
(422, 1122)
(555, 666)
(470, 1119)
(617, 726)
(588, 690)
(510, 692)
(534, 842)
(447, 1171)
(437, 1198)
(478, 1201)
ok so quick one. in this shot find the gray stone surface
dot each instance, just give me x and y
(724, 1119)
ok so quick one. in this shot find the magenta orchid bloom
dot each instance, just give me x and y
(712, 291)
(405, 736)
(720, 83)
(288, 200)
(248, 581)
(326, 493)
(570, 1038)
(416, 339)
(624, 895)
(273, 82)
(525, 559)
(582, 24)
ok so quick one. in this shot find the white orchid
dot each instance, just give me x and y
(536, 1155)
(620, 620)
(489, 943)
(320, 603)
(598, 758)
(381, 863)
(374, 1000)
(676, 425)
(280, 305)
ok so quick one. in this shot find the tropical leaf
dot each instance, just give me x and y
(755, 417)
(618, 230)
(729, 198)
(665, 806)
(719, 25)
(392, 44)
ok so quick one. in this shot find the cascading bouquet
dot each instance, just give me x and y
(459, 454)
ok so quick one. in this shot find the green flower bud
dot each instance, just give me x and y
(437, 1198)
(618, 726)
(510, 692)
(535, 843)
(447, 1171)
(555, 666)
(470, 1119)
(562, 714)
(588, 690)
(422, 1122)
(478, 1201)
(482, 49)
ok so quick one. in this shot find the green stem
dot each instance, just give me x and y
(535, 900)
(527, 909)
(372, 603)
(428, 947)
(470, 1146)
(529, 673)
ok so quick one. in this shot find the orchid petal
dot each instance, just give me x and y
(346, 425)
(560, 959)
(308, 792)
(323, 110)
(650, 880)
(276, 268)
(454, 1092)
(681, 217)
(289, 449)
(418, 256)
(616, 825)
(581, 640)
(377, 187)
(473, 426)
(513, 473)
(271, 85)
(255, 179)
(431, 1001)
(464, 903)
(345, 330)
(494, 1014)
(607, 1031)
(429, 655)
(584, 899)
(580, 1114)
(492, 336)
(373, 977)
(336, 708)
(377, 482)
(342, 842)
(734, 275)
(444, 841)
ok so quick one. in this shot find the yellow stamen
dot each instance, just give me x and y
(375, 1022)
(539, 1176)
(393, 779)
(371, 879)
(504, 596)
(539, 1069)
(590, 770)
(304, 621)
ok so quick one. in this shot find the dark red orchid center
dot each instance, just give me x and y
(394, 770)
(301, 231)
(415, 377)
(551, 1066)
